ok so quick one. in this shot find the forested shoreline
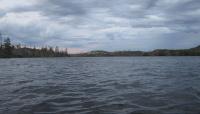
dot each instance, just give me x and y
(8, 50)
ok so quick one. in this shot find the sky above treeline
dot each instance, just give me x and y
(84, 25)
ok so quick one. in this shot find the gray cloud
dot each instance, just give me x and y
(62, 8)
(95, 24)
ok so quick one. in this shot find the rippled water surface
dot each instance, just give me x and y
(113, 85)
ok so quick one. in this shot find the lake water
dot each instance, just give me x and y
(112, 85)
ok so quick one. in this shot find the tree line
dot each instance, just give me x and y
(159, 52)
(8, 50)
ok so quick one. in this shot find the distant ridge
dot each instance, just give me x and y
(158, 52)
(196, 48)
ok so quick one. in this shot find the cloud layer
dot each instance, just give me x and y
(84, 25)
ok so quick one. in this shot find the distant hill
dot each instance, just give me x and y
(159, 52)
(196, 48)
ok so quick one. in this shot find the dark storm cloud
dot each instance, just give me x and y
(77, 23)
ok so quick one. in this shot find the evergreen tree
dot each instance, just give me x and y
(7, 48)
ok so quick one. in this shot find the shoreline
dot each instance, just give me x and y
(94, 57)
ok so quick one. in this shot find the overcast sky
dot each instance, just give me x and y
(83, 25)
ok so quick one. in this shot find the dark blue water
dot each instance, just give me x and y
(115, 85)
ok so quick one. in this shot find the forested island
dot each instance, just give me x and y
(159, 52)
(8, 50)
